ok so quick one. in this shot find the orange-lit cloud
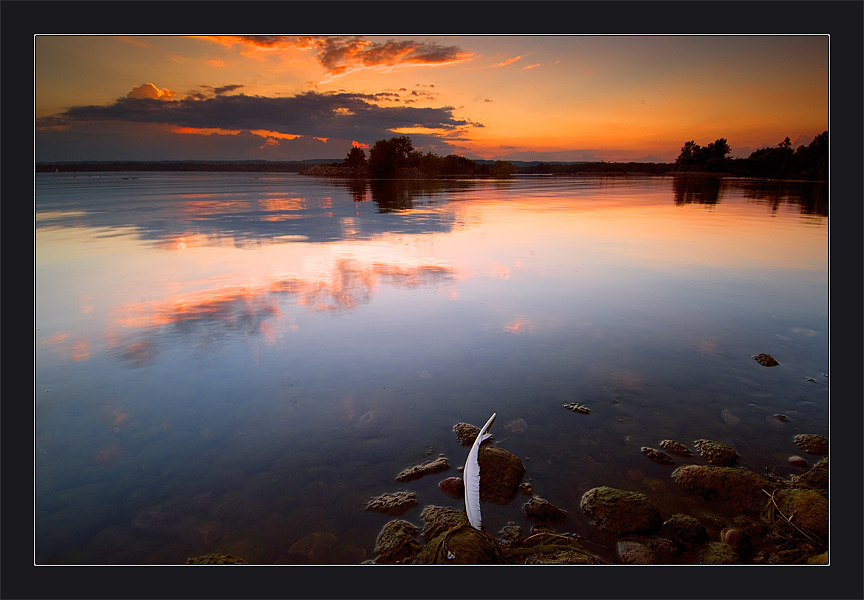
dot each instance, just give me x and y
(356, 144)
(340, 55)
(526, 67)
(508, 61)
(148, 90)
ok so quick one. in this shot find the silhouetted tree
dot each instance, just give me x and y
(356, 157)
(388, 155)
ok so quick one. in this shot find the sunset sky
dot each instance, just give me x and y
(531, 97)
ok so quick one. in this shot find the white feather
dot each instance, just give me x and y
(471, 477)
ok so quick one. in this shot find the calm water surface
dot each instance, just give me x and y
(236, 363)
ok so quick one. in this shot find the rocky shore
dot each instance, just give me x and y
(776, 520)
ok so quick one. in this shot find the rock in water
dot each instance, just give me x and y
(676, 448)
(396, 543)
(500, 474)
(716, 453)
(766, 360)
(657, 456)
(538, 509)
(812, 443)
(618, 512)
(578, 408)
(392, 504)
(417, 471)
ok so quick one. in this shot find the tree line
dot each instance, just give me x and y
(398, 157)
(808, 162)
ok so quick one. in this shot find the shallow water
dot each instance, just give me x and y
(237, 362)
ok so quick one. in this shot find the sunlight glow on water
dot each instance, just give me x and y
(233, 362)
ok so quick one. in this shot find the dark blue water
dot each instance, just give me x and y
(236, 363)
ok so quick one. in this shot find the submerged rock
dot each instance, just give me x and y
(716, 453)
(417, 471)
(538, 509)
(392, 504)
(737, 488)
(766, 360)
(618, 512)
(812, 443)
(676, 448)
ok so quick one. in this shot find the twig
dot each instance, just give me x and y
(789, 519)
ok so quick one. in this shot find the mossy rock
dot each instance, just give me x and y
(734, 487)
(216, 559)
(462, 545)
(619, 512)
(500, 474)
(687, 529)
(396, 543)
(718, 553)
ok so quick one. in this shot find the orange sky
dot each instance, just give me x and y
(528, 97)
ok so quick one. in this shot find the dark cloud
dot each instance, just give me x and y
(338, 54)
(227, 88)
(343, 115)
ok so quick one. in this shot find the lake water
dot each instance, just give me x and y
(237, 362)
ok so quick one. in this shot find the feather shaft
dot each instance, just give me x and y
(471, 477)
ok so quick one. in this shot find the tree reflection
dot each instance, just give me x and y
(696, 190)
(810, 196)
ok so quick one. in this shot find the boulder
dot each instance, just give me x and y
(438, 519)
(807, 510)
(737, 488)
(812, 443)
(618, 512)
(500, 474)
(216, 559)
(687, 529)
(631, 552)
(462, 545)
(815, 478)
(766, 360)
(718, 553)
(538, 509)
(716, 453)
(453, 487)
(396, 543)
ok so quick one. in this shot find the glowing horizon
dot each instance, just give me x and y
(534, 97)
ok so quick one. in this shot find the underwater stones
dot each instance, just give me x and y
(631, 552)
(717, 553)
(578, 408)
(781, 417)
(396, 543)
(392, 504)
(737, 488)
(216, 559)
(618, 512)
(501, 472)
(729, 417)
(812, 443)
(676, 448)
(686, 528)
(313, 548)
(453, 487)
(417, 471)
(438, 519)
(766, 360)
(516, 426)
(716, 453)
(462, 545)
(538, 509)
(657, 456)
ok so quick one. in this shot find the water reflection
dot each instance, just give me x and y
(226, 311)
(811, 197)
